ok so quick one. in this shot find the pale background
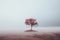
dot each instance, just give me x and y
(14, 12)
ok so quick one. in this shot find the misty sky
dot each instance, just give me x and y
(14, 12)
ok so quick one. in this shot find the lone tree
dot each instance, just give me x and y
(32, 22)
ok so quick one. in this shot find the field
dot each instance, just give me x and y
(31, 36)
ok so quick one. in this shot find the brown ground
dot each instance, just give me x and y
(31, 36)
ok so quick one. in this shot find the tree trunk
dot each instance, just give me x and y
(31, 27)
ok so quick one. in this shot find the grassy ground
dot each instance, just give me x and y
(31, 36)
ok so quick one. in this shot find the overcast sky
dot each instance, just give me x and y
(14, 12)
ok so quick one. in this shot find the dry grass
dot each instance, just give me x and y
(52, 36)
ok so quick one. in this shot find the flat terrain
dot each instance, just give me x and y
(47, 33)
(30, 36)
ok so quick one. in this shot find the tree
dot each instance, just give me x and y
(32, 22)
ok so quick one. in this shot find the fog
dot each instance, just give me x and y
(14, 12)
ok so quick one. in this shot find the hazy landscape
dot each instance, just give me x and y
(13, 14)
(47, 33)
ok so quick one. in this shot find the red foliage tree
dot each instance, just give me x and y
(32, 22)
